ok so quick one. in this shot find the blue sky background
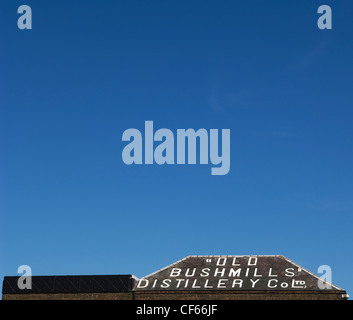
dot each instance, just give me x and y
(88, 70)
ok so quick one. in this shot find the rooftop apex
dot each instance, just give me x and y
(233, 272)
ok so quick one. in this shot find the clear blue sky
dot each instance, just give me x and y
(88, 70)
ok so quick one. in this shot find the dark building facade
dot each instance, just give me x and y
(192, 278)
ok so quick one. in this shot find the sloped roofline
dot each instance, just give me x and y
(313, 274)
(244, 255)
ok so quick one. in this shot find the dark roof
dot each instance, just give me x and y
(235, 273)
(264, 272)
(72, 284)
